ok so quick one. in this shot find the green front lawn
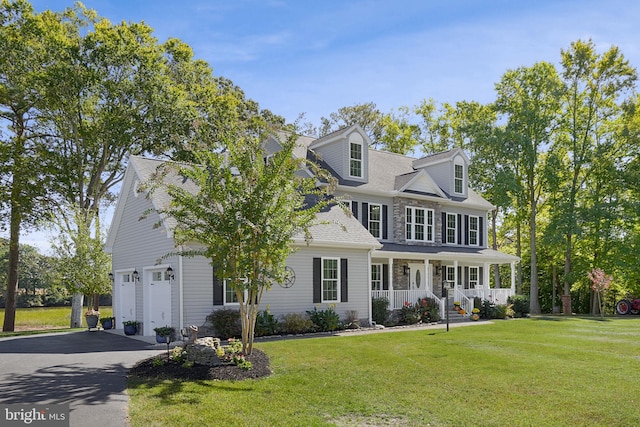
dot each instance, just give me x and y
(529, 372)
(44, 319)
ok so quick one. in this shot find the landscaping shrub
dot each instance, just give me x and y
(296, 323)
(226, 323)
(429, 309)
(487, 309)
(379, 310)
(266, 324)
(477, 303)
(520, 305)
(410, 314)
(502, 311)
(324, 320)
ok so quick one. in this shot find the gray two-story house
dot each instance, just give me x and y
(414, 224)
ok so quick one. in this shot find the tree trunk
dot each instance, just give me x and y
(519, 255)
(534, 299)
(554, 292)
(566, 298)
(14, 258)
(76, 310)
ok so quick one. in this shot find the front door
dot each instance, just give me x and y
(159, 301)
(418, 277)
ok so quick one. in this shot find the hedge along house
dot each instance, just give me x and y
(414, 225)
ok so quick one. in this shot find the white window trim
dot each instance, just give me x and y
(360, 160)
(426, 224)
(475, 284)
(455, 229)
(456, 179)
(477, 230)
(451, 273)
(378, 281)
(224, 294)
(337, 279)
(379, 221)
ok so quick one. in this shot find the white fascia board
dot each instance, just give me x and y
(333, 244)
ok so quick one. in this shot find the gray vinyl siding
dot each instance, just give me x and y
(197, 290)
(383, 201)
(337, 155)
(138, 246)
(299, 297)
(442, 174)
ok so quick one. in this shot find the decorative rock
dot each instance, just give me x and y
(203, 351)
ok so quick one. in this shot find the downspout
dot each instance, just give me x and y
(181, 291)
(369, 286)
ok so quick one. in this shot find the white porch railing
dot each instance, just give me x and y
(465, 303)
(497, 296)
(398, 297)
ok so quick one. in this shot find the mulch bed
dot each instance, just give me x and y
(172, 370)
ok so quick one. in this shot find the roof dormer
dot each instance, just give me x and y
(345, 151)
(450, 170)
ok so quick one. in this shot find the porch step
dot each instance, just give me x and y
(455, 317)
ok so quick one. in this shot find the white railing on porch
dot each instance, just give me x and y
(465, 302)
(495, 295)
(398, 297)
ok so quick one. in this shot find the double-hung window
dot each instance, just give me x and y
(376, 277)
(458, 179)
(474, 277)
(355, 160)
(473, 230)
(330, 279)
(230, 296)
(375, 220)
(452, 228)
(419, 224)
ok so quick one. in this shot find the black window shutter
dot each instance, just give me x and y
(365, 215)
(344, 290)
(466, 278)
(466, 230)
(459, 229)
(385, 277)
(354, 209)
(444, 227)
(317, 280)
(218, 297)
(481, 276)
(481, 231)
(459, 275)
(385, 227)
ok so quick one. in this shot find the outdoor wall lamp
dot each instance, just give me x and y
(405, 270)
(170, 273)
(136, 276)
(438, 270)
(111, 277)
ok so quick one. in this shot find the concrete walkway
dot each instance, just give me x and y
(85, 369)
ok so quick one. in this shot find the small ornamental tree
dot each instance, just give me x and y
(600, 283)
(241, 209)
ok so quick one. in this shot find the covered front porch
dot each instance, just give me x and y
(418, 272)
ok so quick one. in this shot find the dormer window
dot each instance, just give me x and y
(355, 159)
(458, 179)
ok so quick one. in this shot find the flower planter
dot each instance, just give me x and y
(161, 339)
(92, 321)
(107, 324)
(130, 329)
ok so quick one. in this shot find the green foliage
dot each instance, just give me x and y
(130, 323)
(178, 354)
(266, 324)
(502, 311)
(410, 313)
(380, 310)
(487, 309)
(232, 354)
(296, 323)
(520, 305)
(164, 331)
(430, 310)
(226, 323)
(324, 320)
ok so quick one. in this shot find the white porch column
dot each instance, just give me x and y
(455, 274)
(370, 288)
(427, 272)
(513, 277)
(485, 279)
(390, 279)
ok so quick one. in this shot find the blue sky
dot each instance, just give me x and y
(314, 57)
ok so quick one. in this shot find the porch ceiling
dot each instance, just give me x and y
(464, 254)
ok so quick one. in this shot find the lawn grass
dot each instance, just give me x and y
(44, 319)
(527, 372)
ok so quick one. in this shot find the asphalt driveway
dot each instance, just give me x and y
(85, 369)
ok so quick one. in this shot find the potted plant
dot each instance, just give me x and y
(475, 316)
(107, 322)
(91, 317)
(163, 334)
(130, 327)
